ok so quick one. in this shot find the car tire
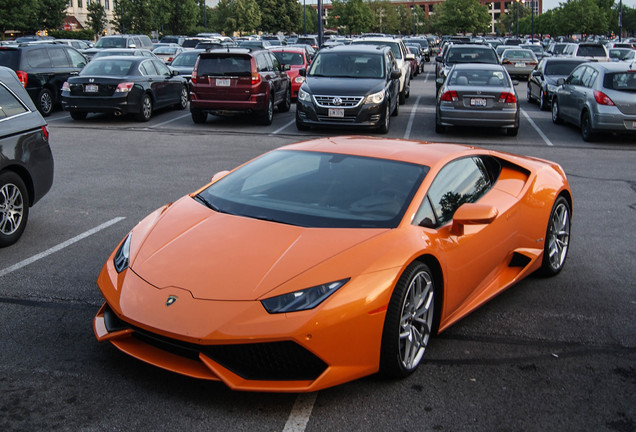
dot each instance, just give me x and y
(408, 89)
(78, 115)
(145, 110)
(198, 116)
(285, 105)
(557, 238)
(529, 94)
(14, 208)
(45, 102)
(513, 131)
(183, 99)
(386, 120)
(587, 133)
(543, 103)
(556, 115)
(267, 115)
(409, 321)
(439, 128)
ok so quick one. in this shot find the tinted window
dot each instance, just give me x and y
(225, 65)
(289, 58)
(560, 68)
(147, 68)
(77, 60)
(622, 81)
(161, 67)
(107, 68)
(575, 78)
(38, 58)
(591, 51)
(113, 42)
(58, 57)
(9, 105)
(9, 58)
(261, 63)
(186, 59)
(588, 77)
(349, 65)
(471, 55)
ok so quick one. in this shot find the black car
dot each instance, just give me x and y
(350, 86)
(42, 69)
(542, 82)
(26, 162)
(123, 85)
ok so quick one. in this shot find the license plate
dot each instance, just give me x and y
(91, 88)
(478, 102)
(634, 125)
(336, 112)
(223, 82)
(520, 65)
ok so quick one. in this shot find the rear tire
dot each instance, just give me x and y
(267, 116)
(14, 208)
(587, 133)
(198, 116)
(77, 115)
(45, 102)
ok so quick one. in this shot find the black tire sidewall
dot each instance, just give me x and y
(12, 178)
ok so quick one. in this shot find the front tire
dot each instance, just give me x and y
(386, 120)
(557, 238)
(45, 102)
(543, 103)
(556, 115)
(409, 321)
(14, 208)
(145, 111)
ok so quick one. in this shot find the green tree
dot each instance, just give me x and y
(385, 17)
(462, 16)
(354, 15)
(51, 13)
(19, 15)
(248, 15)
(183, 16)
(281, 16)
(96, 18)
(310, 18)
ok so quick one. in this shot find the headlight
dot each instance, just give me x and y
(551, 88)
(299, 79)
(122, 255)
(304, 96)
(301, 300)
(376, 98)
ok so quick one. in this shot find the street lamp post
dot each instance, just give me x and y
(517, 10)
(532, 12)
(620, 20)
(413, 16)
(304, 17)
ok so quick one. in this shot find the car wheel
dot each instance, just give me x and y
(267, 116)
(409, 321)
(556, 116)
(408, 89)
(402, 96)
(77, 115)
(587, 133)
(45, 102)
(557, 238)
(543, 103)
(286, 103)
(198, 116)
(183, 99)
(145, 111)
(439, 128)
(529, 94)
(14, 208)
(386, 120)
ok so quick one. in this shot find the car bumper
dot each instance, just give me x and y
(611, 119)
(255, 102)
(112, 105)
(486, 118)
(363, 116)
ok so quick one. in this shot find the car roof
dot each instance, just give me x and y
(357, 48)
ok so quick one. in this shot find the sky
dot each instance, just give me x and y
(551, 4)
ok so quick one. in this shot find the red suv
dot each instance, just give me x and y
(238, 80)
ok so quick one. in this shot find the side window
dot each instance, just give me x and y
(274, 62)
(577, 74)
(261, 63)
(588, 77)
(38, 58)
(161, 67)
(462, 181)
(77, 60)
(59, 59)
(147, 68)
(9, 105)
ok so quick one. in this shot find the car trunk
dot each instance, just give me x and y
(225, 77)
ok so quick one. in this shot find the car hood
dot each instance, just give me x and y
(343, 86)
(218, 256)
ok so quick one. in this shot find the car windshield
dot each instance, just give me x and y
(186, 59)
(108, 68)
(289, 58)
(315, 189)
(111, 43)
(470, 55)
(347, 65)
(560, 68)
(225, 64)
(621, 81)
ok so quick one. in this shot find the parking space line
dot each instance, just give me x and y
(300, 413)
(539, 131)
(59, 247)
(277, 131)
(169, 121)
(407, 133)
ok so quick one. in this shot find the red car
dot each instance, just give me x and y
(297, 59)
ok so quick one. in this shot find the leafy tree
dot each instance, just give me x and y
(385, 16)
(183, 16)
(51, 13)
(96, 18)
(355, 15)
(310, 19)
(405, 20)
(248, 15)
(17, 15)
(282, 15)
(462, 16)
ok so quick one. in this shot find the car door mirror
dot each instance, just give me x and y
(219, 176)
(560, 81)
(395, 74)
(302, 72)
(472, 214)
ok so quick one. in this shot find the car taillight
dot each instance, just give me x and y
(22, 76)
(602, 99)
(124, 87)
(170, 59)
(449, 96)
(506, 97)
(256, 78)
(193, 77)
(66, 87)
(46, 132)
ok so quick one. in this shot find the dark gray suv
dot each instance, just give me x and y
(26, 162)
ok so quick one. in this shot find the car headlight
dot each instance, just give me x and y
(123, 253)
(301, 300)
(299, 79)
(552, 88)
(304, 96)
(376, 98)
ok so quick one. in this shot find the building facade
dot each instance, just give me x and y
(77, 14)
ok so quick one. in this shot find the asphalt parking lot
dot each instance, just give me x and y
(553, 354)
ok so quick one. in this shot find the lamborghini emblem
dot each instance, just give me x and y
(171, 300)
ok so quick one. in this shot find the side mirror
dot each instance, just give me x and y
(302, 72)
(219, 176)
(472, 214)
(410, 56)
(395, 74)
(515, 82)
(560, 81)
(286, 67)
(439, 81)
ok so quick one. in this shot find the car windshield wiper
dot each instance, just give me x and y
(207, 203)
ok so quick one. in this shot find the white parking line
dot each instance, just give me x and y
(277, 131)
(407, 133)
(539, 131)
(300, 413)
(59, 247)
(169, 121)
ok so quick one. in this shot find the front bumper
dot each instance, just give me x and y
(365, 116)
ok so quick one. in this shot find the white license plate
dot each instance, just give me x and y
(478, 102)
(634, 125)
(336, 112)
(91, 88)
(223, 82)
(520, 65)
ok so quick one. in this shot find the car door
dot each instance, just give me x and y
(568, 94)
(282, 82)
(171, 85)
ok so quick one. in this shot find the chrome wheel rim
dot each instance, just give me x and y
(416, 320)
(555, 110)
(147, 107)
(559, 236)
(46, 102)
(11, 209)
(184, 97)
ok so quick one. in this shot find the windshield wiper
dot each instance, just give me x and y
(207, 203)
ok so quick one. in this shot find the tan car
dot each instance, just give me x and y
(519, 62)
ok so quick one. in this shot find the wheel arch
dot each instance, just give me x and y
(433, 263)
(26, 178)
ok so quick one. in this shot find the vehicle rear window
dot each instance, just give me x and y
(186, 59)
(225, 65)
(9, 58)
(469, 55)
(560, 68)
(621, 81)
(38, 58)
(111, 43)
(108, 67)
(590, 51)
(289, 58)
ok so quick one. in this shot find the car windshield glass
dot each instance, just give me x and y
(165, 50)
(225, 65)
(111, 43)
(186, 59)
(621, 81)
(107, 68)
(350, 65)
(560, 68)
(289, 58)
(314, 189)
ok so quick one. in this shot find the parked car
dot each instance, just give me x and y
(312, 41)
(26, 161)
(424, 45)
(402, 58)
(167, 53)
(477, 95)
(176, 39)
(536, 48)
(123, 85)
(184, 63)
(353, 85)
(417, 64)
(255, 44)
(232, 81)
(622, 54)
(597, 97)
(519, 62)
(78, 44)
(124, 52)
(588, 50)
(542, 81)
(42, 69)
(464, 53)
(120, 41)
(293, 60)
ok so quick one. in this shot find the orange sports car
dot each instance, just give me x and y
(328, 260)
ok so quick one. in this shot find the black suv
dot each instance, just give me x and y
(26, 163)
(238, 80)
(350, 86)
(463, 53)
(42, 69)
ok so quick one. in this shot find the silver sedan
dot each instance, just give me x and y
(519, 61)
(477, 95)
